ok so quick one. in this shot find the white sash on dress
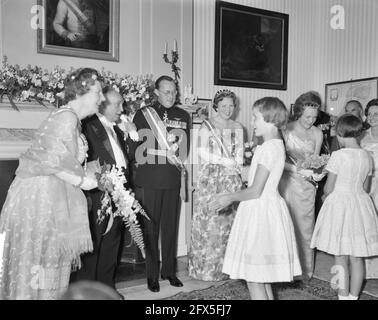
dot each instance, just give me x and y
(2, 244)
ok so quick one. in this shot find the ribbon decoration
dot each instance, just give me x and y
(160, 133)
(79, 14)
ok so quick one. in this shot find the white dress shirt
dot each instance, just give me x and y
(118, 154)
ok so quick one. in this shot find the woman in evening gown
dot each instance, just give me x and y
(44, 218)
(369, 142)
(220, 151)
(302, 139)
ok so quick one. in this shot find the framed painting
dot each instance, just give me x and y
(80, 28)
(203, 110)
(251, 47)
(337, 94)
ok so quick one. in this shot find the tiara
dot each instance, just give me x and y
(224, 91)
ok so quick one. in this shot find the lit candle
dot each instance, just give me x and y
(166, 48)
(175, 46)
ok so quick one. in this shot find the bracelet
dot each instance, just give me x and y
(81, 182)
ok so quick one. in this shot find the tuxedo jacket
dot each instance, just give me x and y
(100, 149)
(98, 141)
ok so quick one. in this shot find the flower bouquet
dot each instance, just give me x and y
(313, 167)
(249, 149)
(111, 181)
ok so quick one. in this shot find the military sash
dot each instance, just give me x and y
(160, 133)
(78, 13)
(220, 143)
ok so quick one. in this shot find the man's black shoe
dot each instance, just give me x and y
(153, 285)
(173, 280)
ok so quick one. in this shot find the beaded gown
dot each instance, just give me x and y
(44, 218)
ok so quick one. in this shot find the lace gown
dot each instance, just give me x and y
(262, 246)
(371, 145)
(210, 229)
(299, 195)
(37, 258)
(347, 223)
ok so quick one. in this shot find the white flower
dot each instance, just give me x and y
(171, 137)
(134, 135)
(248, 154)
(38, 83)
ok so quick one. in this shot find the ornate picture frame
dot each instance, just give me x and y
(90, 31)
(337, 94)
(203, 110)
(251, 47)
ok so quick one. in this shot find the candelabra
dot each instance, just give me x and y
(175, 69)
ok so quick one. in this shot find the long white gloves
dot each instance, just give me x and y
(85, 183)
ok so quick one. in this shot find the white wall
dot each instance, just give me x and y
(317, 54)
(145, 25)
(350, 53)
(1, 32)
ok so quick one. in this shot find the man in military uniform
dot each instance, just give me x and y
(164, 143)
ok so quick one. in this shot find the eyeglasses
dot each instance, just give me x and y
(168, 93)
(373, 115)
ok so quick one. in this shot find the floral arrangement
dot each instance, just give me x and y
(314, 163)
(111, 181)
(31, 83)
(35, 84)
(136, 91)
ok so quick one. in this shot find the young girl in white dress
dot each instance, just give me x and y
(347, 225)
(262, 247)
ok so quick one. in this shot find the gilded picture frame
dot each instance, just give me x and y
(89, 30)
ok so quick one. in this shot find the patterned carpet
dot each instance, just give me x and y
(237, 290)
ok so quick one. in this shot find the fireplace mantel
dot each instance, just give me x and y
(17, 128)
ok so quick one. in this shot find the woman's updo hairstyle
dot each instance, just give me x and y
(220, 95)
(349, 126)
(371, 103)
(308, 99)
(273, 111)
(79, 83)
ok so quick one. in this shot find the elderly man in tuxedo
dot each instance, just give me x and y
(106, 143)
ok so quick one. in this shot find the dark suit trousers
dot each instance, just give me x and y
(100, 265)
(163, 209)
